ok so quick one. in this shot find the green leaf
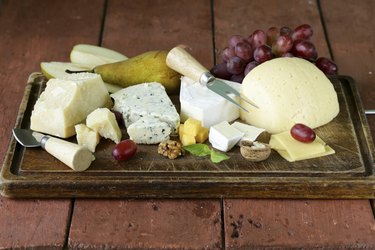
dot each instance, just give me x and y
(198, 149)
(217, 157)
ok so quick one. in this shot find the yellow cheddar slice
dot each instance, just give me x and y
(293, 150)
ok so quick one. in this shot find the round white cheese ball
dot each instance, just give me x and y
(288, 91)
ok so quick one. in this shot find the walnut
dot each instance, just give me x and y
(171, 149)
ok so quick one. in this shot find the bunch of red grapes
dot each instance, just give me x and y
(242, 55)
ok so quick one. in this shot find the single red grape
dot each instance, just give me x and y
(250, 66)
(234, 40)
(303, 31)
(302, 133)
(304, 49)
(244, 51)
(326, 65)
(227, 54)
(220, 71)
(259, 38)
(272, 34)
(237, 78)
(236, 65)
(286, 31)
(124, 150)
(119, 118)
(262, 54)
(282, 45)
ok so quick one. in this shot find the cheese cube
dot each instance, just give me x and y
(187, 139)
(149, 130)
(65, 103)
(293, 150)
(104, 122)
(223, 136)
(202, 135)
(192, 126)
(201, 103)
(251, 132)
(87, 137)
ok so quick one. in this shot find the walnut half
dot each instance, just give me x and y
(171, 149)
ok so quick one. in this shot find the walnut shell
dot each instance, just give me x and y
(252, 153)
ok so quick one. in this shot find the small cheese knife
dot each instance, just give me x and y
(181, 61)
(73, 155)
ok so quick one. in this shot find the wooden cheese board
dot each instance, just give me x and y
(349, 173)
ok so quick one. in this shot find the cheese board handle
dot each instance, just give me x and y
(184, 63)
(73, 155)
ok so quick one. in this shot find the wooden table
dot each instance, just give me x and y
(33, 31)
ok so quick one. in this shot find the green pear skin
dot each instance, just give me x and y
(146, 67)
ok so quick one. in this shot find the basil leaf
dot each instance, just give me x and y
(198, 149)
(217, 157)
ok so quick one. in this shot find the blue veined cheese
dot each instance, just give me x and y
(149, 130)
(146, 101)
(200, 103)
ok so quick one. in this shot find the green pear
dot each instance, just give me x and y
(147, 67)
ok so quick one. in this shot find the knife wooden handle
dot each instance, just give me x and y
(73, 155)
(181, 61)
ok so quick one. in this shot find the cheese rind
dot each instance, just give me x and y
(223, 136)
(200, 103)
(293, 150)
(65, 103)
(288, 91)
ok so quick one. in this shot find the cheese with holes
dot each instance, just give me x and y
(147, 110)
(202, 104)
(65, 103)
(293, 150)
(288, 91)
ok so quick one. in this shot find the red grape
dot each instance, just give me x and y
(227, 54)
(236, 65)
(244, 51)
(302, 133)
(234, 40)
(250, 66)
(272, 34)
(326, 65)
(259, 38)
(304, 49)
(262, 54)
(220, 71)
(303, 31)
(237, 78)
(124, 150)
(287, 55)
(282, 45)
(286, 31)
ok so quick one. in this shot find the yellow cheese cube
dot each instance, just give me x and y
(192, 126)
(202, 135)
(187, 140)
(293, 150)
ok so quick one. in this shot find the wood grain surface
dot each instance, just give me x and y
(34, 31)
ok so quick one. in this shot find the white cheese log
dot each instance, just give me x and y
(65, 103)
(200, 103)
(288, 91)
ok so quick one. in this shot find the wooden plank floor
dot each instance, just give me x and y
(35, 31)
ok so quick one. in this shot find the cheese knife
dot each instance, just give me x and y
(73, 155)
(181, 61)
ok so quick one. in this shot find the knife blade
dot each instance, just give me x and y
(75, 156)
(181, 61)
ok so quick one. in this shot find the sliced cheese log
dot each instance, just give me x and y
(293, 150)
(288, 91)
(65, 103)
(200, 103)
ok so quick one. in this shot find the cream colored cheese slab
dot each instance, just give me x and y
(293, 150)
(65, 103)
(87, 137)
(288, 91)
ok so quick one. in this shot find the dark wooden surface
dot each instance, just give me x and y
(35, 31)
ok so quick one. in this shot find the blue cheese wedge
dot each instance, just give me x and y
(149, 130)
(143, 105)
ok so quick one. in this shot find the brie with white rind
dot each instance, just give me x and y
(65, 103)
(288, 91)
(200, 103)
